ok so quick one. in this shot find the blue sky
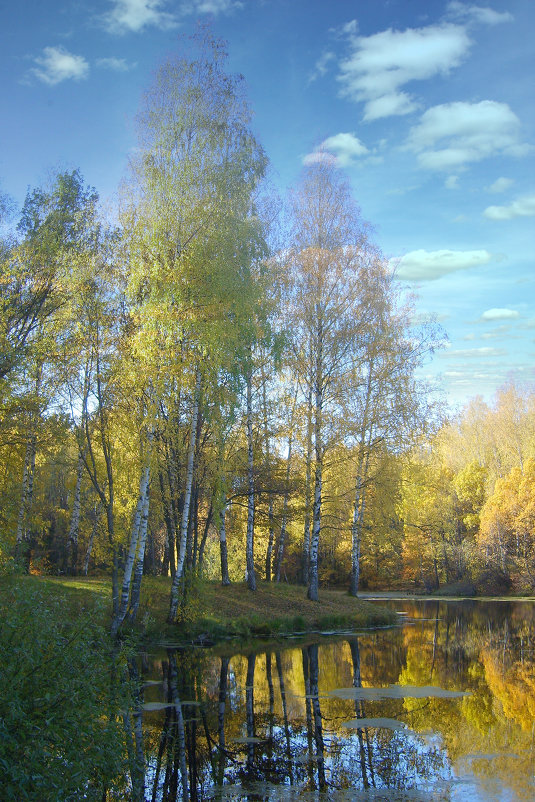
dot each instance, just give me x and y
(427, 106)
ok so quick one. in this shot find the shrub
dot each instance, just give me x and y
(60, 738)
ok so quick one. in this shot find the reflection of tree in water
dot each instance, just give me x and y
(265, 720)
(363, 735)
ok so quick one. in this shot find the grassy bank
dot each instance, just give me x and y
(215, 612)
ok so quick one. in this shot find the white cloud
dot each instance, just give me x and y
(136, 15)
(320, 67)
(318, 156)
(499, 333)
(57, 65)
(452, 182)
(500, 314)
(522, 207)
(116, 64)
(345, 147)
(211, 6)
(484, 15)
(452, 135)
(424, 265)
(501, 185)
(470, 353)
(214, 6)
(379, 65)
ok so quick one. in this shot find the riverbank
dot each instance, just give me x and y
(214, 612)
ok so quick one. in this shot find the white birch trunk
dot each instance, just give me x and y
(135, 538)
(282, 539)
(249, 546)
(271, 530)
(308, 477)
(25, 502)
(140, 557)
(173, 606)
(362, 472)
(313, 593)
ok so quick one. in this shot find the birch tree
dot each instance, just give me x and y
(194, 236)
(329, 248)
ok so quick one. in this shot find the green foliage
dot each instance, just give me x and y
(60, 738)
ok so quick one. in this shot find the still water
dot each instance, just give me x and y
(440, 708)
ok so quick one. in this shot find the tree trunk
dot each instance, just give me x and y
(96, 513)
(169, 556)
(72, 541)
(22, 544)
(249, 548)
(139, 522)
(223, 544)
(140, 558)
(282, 538)
(360, 484)
(173, 606)
(318, 472)
(271, 530)
(308, 477)
(22, 549)
(204, 538)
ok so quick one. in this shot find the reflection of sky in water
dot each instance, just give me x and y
(286, 737)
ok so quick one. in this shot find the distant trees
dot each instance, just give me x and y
(467, 498)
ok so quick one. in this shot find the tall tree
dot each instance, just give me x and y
(329, 246)
(194, 234)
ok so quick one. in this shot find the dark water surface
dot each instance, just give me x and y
(441, 708)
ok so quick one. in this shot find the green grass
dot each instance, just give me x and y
(215, 612)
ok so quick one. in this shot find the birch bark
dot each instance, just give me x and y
(318, 469)
(174, 599)
(223, 543)
(249, 548)
(282, 538)
(308, 478)
(140, 516)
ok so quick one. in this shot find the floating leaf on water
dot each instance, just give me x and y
(250, 740)
(385, 723)
(156, 705)
(397, 692)
(163, 705)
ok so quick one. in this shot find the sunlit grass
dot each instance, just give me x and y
(216, 611)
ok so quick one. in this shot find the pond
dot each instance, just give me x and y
(440, 708)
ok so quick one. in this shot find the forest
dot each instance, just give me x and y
(208, 383)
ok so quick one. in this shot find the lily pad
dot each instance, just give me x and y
(397, 692)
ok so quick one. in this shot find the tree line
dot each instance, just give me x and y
(209, 381)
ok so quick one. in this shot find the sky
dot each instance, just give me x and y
(427, 107)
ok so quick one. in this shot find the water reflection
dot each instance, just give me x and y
(265, 724)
